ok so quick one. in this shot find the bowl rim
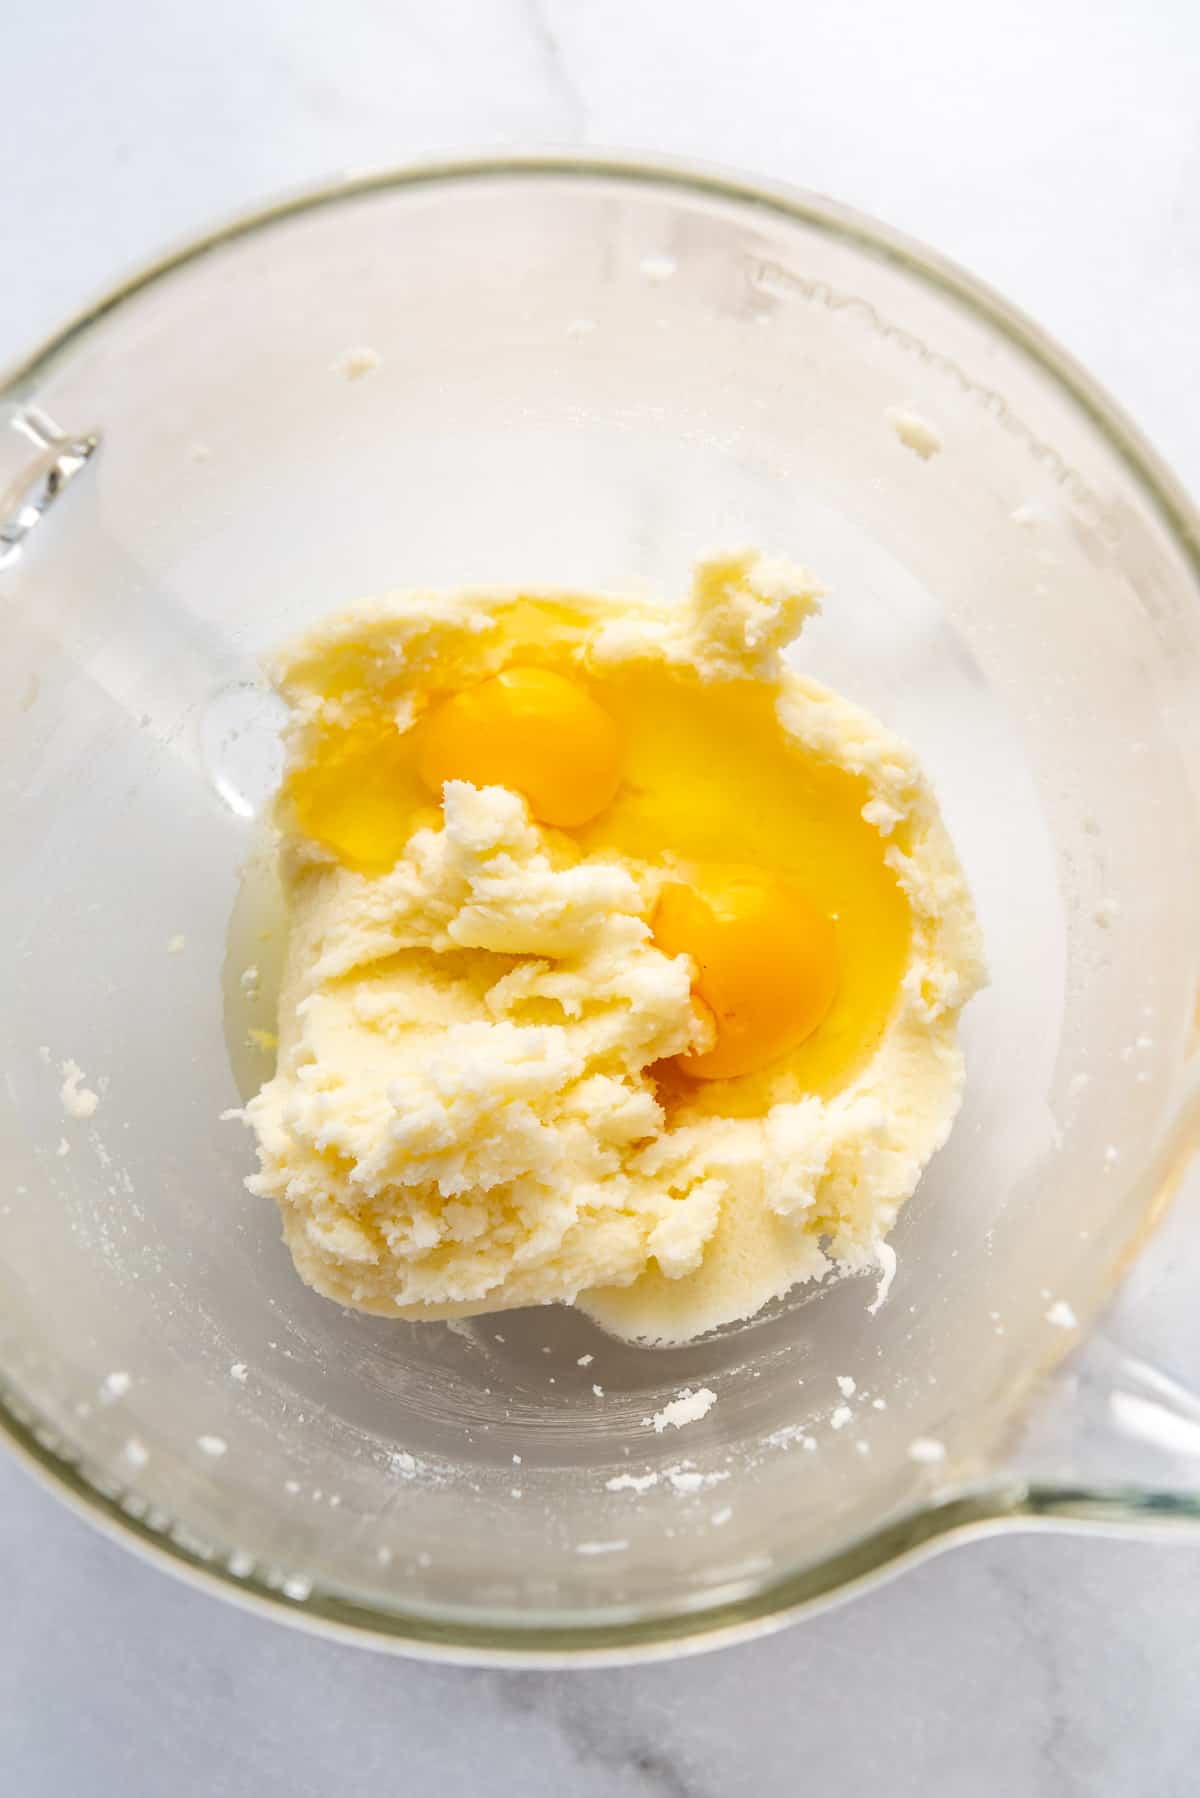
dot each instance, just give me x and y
(945, 1517)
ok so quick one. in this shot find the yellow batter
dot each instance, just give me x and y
(624, 965)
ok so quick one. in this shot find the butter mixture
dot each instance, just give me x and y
(624, 964)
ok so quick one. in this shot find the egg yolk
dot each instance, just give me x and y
(781, 892)
(766, 966)
(531, 730)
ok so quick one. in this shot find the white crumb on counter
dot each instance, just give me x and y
(926, 1449)
(600, 1548)
(402, 1463)
(249, 981)
(841, 1417)
(64, 1147)
(599, 1391)
(846, 1386)
(585, 1360)
(211, 1445)
(114, 1385)
(135, 1452)
(356, 362)
(722, 1516)
(631, 1482)
(77, 1101)
(238, 1371)
(687, 1407)
(176, 944)
(915, 433)
(1062, 1316)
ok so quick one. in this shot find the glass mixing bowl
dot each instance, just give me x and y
(582, 372)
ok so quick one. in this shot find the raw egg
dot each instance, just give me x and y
(533, 731)
(766, 964)
(357, 797)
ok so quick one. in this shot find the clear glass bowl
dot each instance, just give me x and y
(586, 372)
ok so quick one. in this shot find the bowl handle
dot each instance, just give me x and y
(1113, 1436)
(1112, 1440)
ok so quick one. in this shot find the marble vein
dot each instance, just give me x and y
(606, 1738)
(560, 82)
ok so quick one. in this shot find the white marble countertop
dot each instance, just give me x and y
(1056, 152)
